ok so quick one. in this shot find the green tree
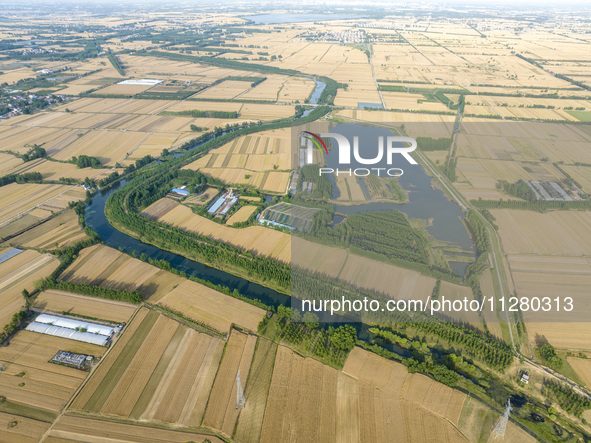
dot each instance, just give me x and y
(344, 338)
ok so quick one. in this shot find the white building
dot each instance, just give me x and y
(73, 329)
(72, 334)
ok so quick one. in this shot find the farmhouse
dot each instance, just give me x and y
(223, 204)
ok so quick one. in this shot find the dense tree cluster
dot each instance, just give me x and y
(520, 190)
(493, 353)
(115, 62)
(433, 144)
(33, 153)
(549, 356)
(566, 397)
(86, 161)
(15, 323)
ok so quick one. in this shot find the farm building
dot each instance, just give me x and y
(72, 334)
(9, 254)
(93, 328)
(73, 329)
(141, 82)
(223, 204)
(289, 216)
(180, 191)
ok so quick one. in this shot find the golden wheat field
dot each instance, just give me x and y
(68, 302)
(55, 170)
(161, 372)
(241, 215)
(20, 198)
(31, 380)
(75, 428)
(556, 232)
(415, 124)
(372, 399)
(221, 412)
(58, 232)
(21, 429)
(262, 240)
(249, 426)
(109, 268)
(261, 160)
(18, 273)
(211, 308)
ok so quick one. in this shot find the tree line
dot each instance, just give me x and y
(27, 177)
(196, 113)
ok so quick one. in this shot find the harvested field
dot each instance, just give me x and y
(109, 146)
(55, 170)
(211, 308)
(477, 420)
(479, 177)
(128, 388)
(582, 174)
(68, 302)
(18, 273)
(47, 386)
(116, 106)
(241, 215)
(557, 232)
(221, 412)
(261, 160)
(8, 162)
(253, 238)
(56, 233)
(107, 267)
(372, 399)
(582, 367)
(72, 428)
(395, 282)
(250, 421)
(15, 428)
(228, 89)
(350, 189)
(246, 111)
(20, 139)
(20, 198)
(280, 88)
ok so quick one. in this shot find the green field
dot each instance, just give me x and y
(583, 116)
(99, 397)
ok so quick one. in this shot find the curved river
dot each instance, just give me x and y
(95, 218)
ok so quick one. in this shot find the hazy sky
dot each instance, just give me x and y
(311, 4)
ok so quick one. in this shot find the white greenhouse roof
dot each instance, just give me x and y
(57, 331)
(141, 82)
(70, 323)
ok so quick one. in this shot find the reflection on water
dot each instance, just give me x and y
(425, 202)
